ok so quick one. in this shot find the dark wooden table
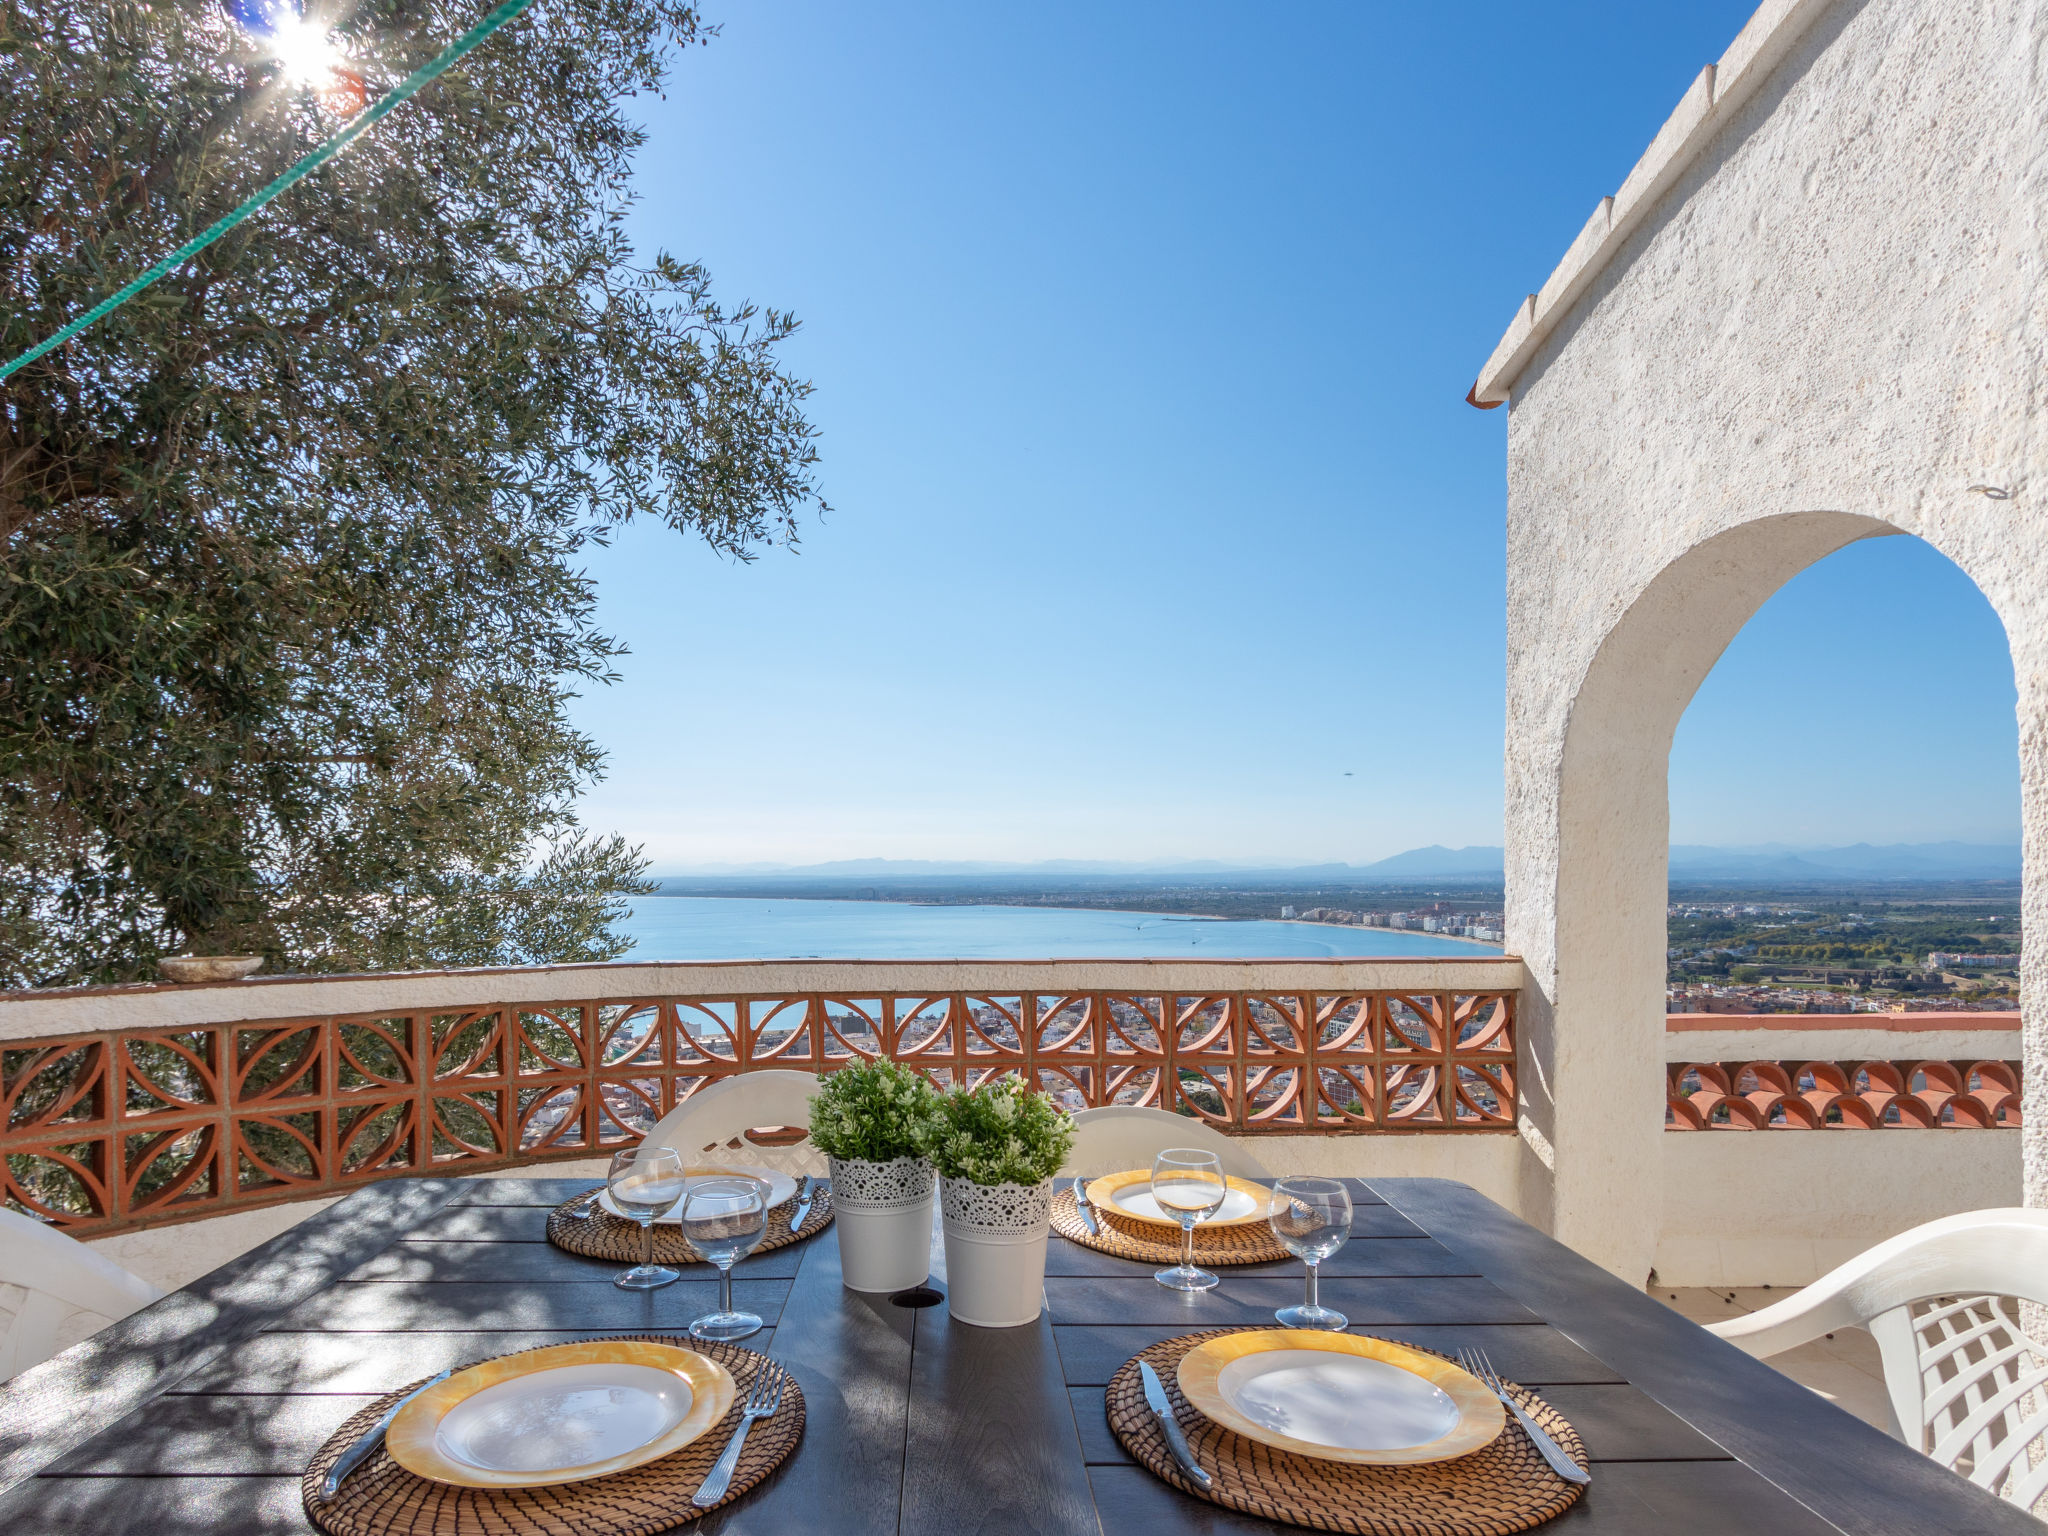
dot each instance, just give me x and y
(199, 1413)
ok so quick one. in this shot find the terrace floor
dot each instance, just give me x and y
(1842, 1366)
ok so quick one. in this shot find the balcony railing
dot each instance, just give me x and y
(168, 1104)
(1864, 1071)
(1846, 1095)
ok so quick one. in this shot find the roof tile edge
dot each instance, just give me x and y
(1716, 94)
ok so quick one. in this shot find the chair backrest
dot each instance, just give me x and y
(1966, 1382)
(52, 1288)
(704, 1126)
(1120, 1136)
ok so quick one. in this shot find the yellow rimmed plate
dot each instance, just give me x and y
(1340, 1397)
(563, 1414)
(1129, 1195)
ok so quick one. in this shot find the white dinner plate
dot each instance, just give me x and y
(1136, 1200)
(1345, 1402)
(561, 1414)
(781, 1187)
(552, 1421)
(1340, 1397)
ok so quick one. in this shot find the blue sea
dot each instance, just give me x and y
(750, 928)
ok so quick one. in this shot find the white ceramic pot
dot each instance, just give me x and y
(883, 1215)
(995, 1250)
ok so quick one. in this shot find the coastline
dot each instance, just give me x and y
(1455, 938)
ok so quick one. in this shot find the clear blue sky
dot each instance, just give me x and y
(1140, 335)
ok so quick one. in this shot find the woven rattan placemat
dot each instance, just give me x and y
(381, 1498)
(1252, 1243)
(1504, 1487)
(601, 1235)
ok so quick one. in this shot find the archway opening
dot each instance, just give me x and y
(1588, 890)
(1851, 765)
(1842, 934)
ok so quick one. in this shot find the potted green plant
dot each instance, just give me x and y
(873, 1122)
(996, 1149)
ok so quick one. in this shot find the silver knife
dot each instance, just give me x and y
(1553, 1453)
(366, 1445)
(803, 1205)
(1162, 1410)
(1087, 1211)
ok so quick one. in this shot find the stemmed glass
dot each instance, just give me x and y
(1312, 1219)
(645, 1182)
(1188, 1185)
(724, 1219)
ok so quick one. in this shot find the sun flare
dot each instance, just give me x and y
(306, 50)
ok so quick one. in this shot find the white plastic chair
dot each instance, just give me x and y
(704, 1126)
(1120, 1136)
(1962, 1375)
(51, 1286)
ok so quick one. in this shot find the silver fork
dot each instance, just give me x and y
(763, 1398)
(1476, 1363)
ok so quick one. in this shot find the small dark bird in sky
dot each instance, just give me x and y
(1347, 773)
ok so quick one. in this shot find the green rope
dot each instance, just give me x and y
(355, 129)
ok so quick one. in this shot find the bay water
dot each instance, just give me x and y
(773, 928)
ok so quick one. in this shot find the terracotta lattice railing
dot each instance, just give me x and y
(1849, 1095)
(110, 1129)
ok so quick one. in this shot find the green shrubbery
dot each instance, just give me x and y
(877, 1112)
(1000, 1133)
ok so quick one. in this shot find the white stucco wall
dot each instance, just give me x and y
(1750, 1208)
(1826, 321)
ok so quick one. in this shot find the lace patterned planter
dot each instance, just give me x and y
(995, 1250)
(883, 1215)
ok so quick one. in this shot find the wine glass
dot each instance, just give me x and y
(1188, 1185)
(645, 1182)
(1312, 1219)
(724, 1219)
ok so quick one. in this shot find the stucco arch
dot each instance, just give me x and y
(1798, 299)
(1593, 1096)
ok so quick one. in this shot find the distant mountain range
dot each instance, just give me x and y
(1769, 861)
(1859, 861)
(1433, 862)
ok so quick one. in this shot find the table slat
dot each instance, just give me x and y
(372, 1362)
(201, 1436)
(465, 1306)
(1360, 1256)
(851, 1354)
(439, 1262)
(993, 1447)
(156, 1506)
(1136, 1297)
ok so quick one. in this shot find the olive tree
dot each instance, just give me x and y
(290, 603)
